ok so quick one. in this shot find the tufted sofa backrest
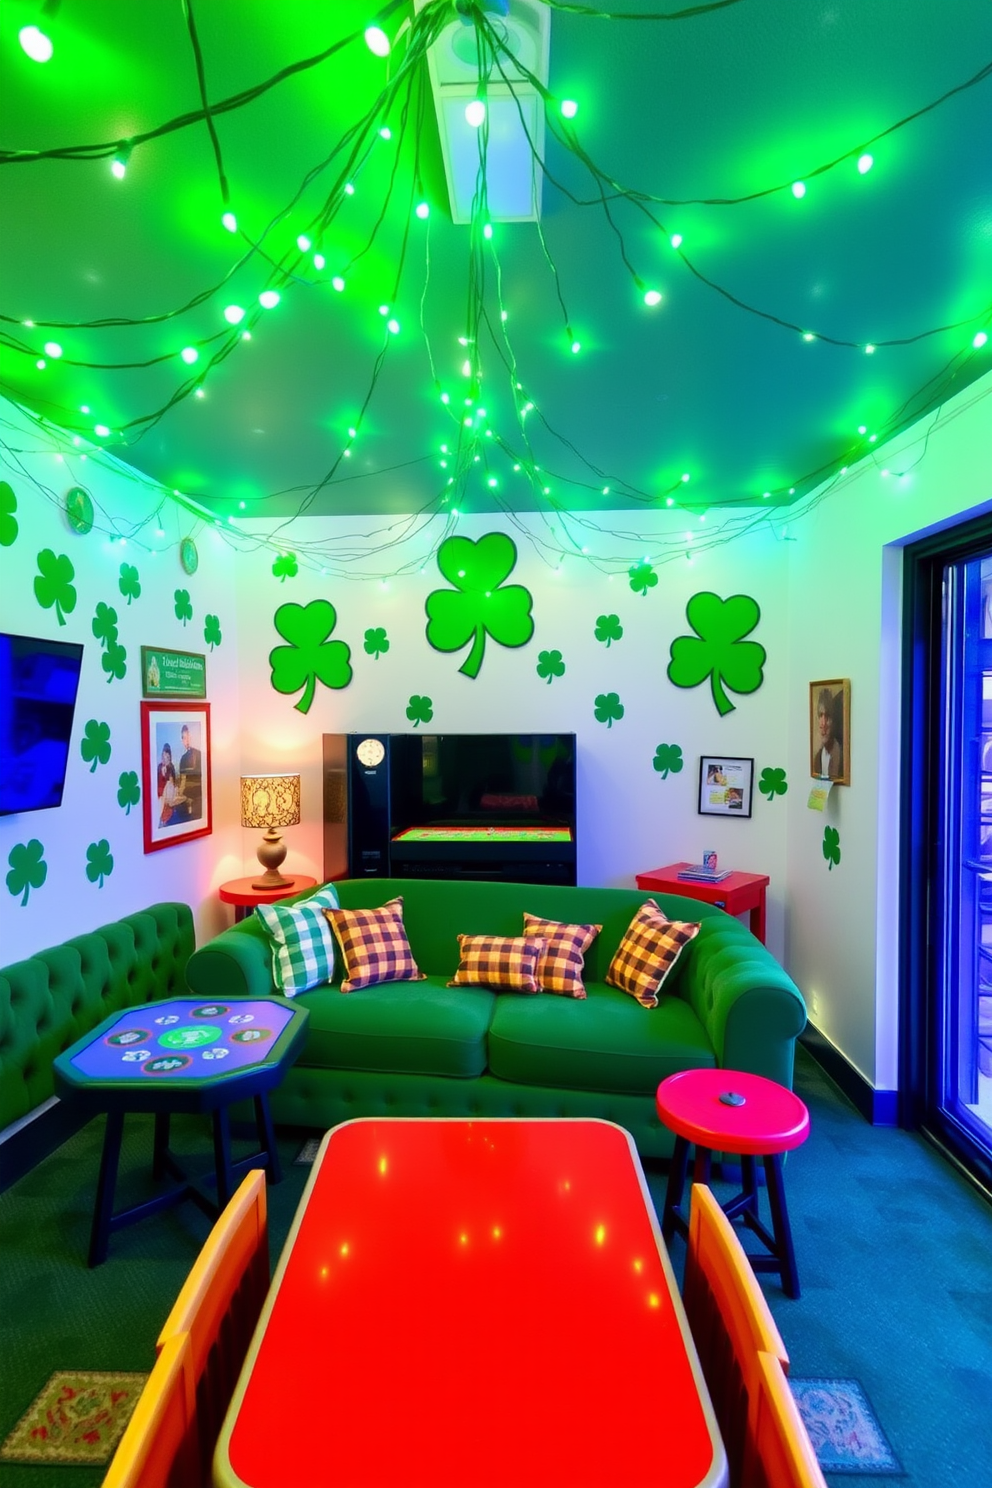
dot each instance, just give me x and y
(54, 997)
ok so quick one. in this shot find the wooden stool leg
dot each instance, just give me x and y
(749, 1182)
(702, 1168)
(675, 1188)
(780, 1225)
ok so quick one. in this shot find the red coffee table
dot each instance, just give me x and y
(738, 893)
(762, 1120)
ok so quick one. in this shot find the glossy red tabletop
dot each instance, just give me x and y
(772, 1119)
(472, 1304)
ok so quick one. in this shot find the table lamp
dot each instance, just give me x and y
(270, 801)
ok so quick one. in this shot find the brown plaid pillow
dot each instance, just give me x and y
(560, 967)
(650, 948)
(508, 962)
(374, 947)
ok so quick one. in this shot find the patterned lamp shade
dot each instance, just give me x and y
(270, 800)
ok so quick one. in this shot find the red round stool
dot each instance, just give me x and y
(720, 1110)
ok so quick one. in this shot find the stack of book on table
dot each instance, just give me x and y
(697, 873)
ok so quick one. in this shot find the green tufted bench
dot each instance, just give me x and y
(422, 1048)
(52, 998)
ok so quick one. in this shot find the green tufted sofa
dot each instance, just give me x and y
(422, 1048)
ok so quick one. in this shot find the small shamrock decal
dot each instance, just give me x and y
(376, 642)
(310, 657)
(420, 710)
(718, 650)
(184, 609)
(642, 578)
(831, 846)
(607, 708)
(114, 661)
(772, 783)
(8, 522)
(129, 583)
(128, 790)
(99, 862)
(550, 665)
(54, 586)
(608, 628)
(95, 743)
(28, 869)
(211, 631)
(668, 757)
(478, 605)
(285, 567)
(105, 624)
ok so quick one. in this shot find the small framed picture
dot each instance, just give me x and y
(830, 730)
(175, 773)
(725, 785)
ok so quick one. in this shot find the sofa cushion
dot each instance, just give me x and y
(301, 940)
(374, 947)
(650, 948)
(423, 1029)
(560, 967)
(606, 1042)
(505, 962)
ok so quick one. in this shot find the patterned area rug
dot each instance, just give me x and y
(843, 1427)
(78, 1419)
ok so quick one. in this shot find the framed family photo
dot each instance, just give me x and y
(726, 784)
(175, 773)
(830, 730)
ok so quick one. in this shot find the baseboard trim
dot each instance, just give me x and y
(24, 1143)
(878, 1107)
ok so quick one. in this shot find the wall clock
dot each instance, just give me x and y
(188, 556)
(79, 510)
(370, 752)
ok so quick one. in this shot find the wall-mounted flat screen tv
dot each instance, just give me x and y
(39, 680)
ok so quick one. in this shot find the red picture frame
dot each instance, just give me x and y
(177, 799)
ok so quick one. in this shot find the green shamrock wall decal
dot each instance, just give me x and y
(607, 708)
(718, 650)
(211, 631)
(105, 624)
(831, 846)
(128, 790)
(420, 709)
(95, 743)
(608, 629)
(642, 578)
(376, 642)
(310, 657)
(668, 757)
(184, 609)
(8, 522)
(550, 665)
(28, 869)
(772, 782)
(99, 862)
(285, 567)
(129, 583)
(54, 586)
(478, 604)
(114, 661)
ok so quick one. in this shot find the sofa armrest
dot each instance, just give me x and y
(237, 963)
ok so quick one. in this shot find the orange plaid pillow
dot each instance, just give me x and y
(507, 962)
(560, 967)
(650, 948)
(374, 947)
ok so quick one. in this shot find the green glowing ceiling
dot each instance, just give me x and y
(726, 104)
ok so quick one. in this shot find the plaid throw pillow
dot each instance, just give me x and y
(374, 946)
(508, 962)
(650, 948)
(301, 941)
(560, 967)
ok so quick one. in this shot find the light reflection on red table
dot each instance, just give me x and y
(482, 1303)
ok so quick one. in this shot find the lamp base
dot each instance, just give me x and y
(272, 880)
(271, 852)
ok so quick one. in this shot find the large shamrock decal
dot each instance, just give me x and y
(28, 869)
(128, 790)
(95, 743)
(114, 661)
(211, 631)
(8, 522)
(831, 846)
(772, 783)
(184, 609)
(550, 665)
(718, 650)
(99, 862)
(642, 578)
(54, 586)
(105, 624)
(607, 708)
(310, 657)
(129, 583)
(285, 567)
(608, 628)
(668, 757)
(478, 605)
(376, 642)
(420, 709)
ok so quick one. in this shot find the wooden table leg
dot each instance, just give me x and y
(222, 1156)
(267, 1137)
(106, 1182)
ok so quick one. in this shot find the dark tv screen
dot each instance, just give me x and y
(39, 680)
(483, 779)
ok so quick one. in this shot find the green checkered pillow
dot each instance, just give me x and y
(301, 941)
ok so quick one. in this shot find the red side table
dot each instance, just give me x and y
(736, 894)
(722, 1110)
(239, 892)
